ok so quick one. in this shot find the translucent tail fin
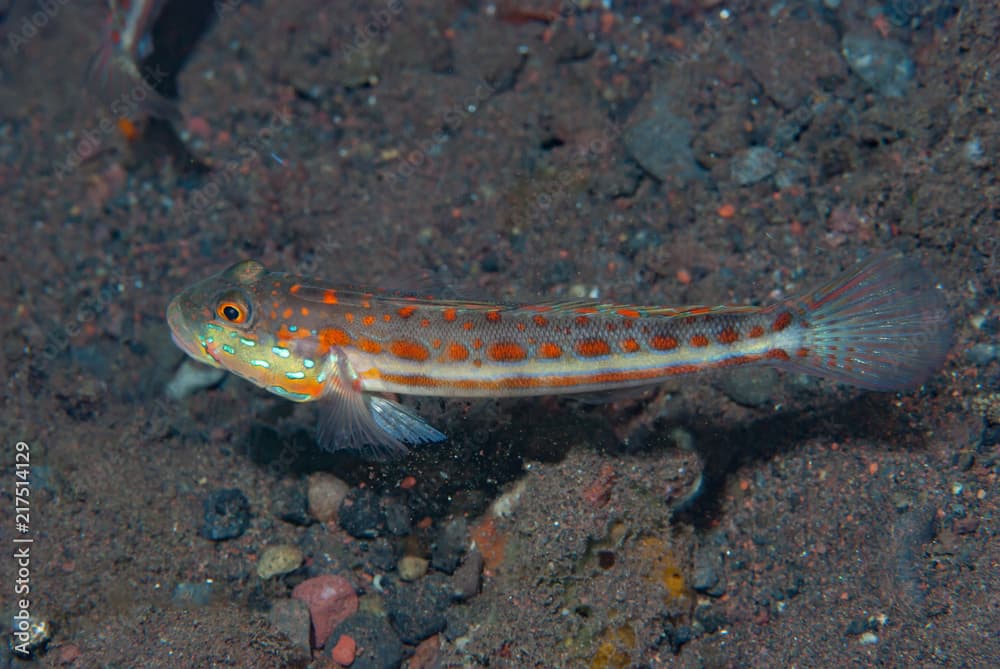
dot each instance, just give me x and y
(881, 325)
(113, 77)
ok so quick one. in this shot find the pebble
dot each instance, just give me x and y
(291, 618)
(325, 494)
(331, 600)
(397, 517)
(983, 354)
(191, 377)
(883, 64)
(418, 610)
(278, 560)
(412, 567)
(753, 165)
(292, 506)
(193, 595)
(344, 651)
(361, 514)
(449, 547)
(660, 141)
(227, 514)
(751, 387)
(379, 643)
(467, 580)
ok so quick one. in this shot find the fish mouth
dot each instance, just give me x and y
(185, 337)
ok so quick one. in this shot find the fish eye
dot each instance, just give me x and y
(234, 309)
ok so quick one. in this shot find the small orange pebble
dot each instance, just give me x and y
(607, 22)
(491, 543)
(881, 24)
(744, 485)
(425, 522)
(796, 228)
(674, 42)
(128, 129)
(345, 650)
(408, 482)
(223, 137)
(684, 276)
(873, 468)
(456, 212)
(198, 126)
(727, 210)
(449, 33)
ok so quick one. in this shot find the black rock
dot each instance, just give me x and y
(227, 515)
(383, 555)
(448, 549)
(397, 517)
(378, 644)
(292, 506)
(418, 610)
(361, 515)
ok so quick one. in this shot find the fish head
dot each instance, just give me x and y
(217, 322)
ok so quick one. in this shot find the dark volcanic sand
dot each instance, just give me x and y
(487, 147)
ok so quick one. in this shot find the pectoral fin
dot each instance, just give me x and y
(371, 424)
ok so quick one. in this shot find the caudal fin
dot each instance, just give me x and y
(881, 325)
(114, 79)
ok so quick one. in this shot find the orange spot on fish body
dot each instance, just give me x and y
(407, 311)
(777, 354)
(582, 321)
(593, 348)
(409, 350)
(540, 321)
(756, 332)
(368, 320)
(467, 325)
(330, 337)
(630, 346)
(549, 350)
(295, 288)
(449, 314)
(477, 343)
(369, 345)
(585, 310)
(629, 313)
(329, 297)
(662, 343)
(506, 351)
(386, 317)
(349, 317)
(304, 311)
(699, 341)
(728, 336)
(287, 313)
(783, 320)
(425, 323)
(457, 352)
(521, 326)
(493, 316)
